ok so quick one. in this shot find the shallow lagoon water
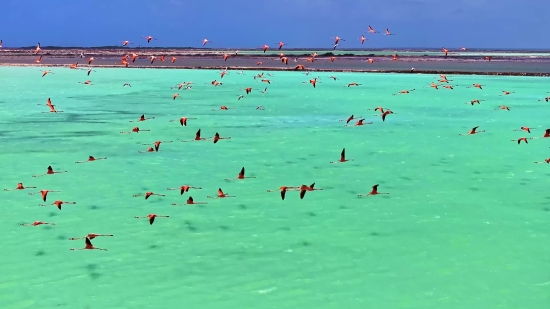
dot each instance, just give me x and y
(465, 224)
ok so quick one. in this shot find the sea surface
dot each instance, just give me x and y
(466, 223)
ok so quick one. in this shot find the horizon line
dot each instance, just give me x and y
(274, 49)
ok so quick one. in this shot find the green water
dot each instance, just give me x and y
(465, 224)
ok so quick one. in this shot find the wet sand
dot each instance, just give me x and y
(214, 60)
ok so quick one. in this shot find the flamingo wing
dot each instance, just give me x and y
(302, 193)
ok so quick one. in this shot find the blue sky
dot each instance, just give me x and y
(299, 23)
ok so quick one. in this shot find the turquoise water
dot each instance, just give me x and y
(465, 224)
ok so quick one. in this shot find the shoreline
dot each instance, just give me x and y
(382, 64)
(266, 68)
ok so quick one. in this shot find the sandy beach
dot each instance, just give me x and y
(200, 59)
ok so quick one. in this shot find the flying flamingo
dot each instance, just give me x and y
(472, 131)
(342, 157)
(374, 191)
(371, 30)
(388, 32)
(220, 194)
(49, 172)
(57, 203)
(337, 39)
(89, 246)
(19, 187)
(472, 102)
(157, 144)
(404, 92)
(151, 218)
(241, 175)
(197, 137)
(522, 139)
(350, 118)
(312, 188)
(182, 121)
(526, 129)
(313, 82)
(91, 159)
(283, 190)
(52, 109)
(90, 236)
(205, 41)
(48, 102)
(44, 73)
(360, 123)
(44, 193)
(149, 38)
(36, 223)
(476, 86)
(148, 194)
(304, 189)
(386, 113)
(281, 44)
(184, 189)
(217, 138)
(141, 118)
(135, 130)
(124, 43)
